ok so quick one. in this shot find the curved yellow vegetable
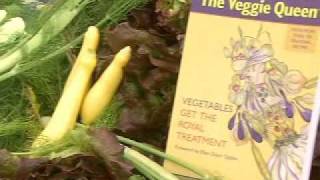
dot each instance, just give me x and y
(102, 92)
(65, 115)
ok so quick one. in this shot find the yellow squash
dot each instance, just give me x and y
(102, 92)
(65, 115)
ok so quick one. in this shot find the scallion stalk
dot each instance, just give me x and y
(204, 175)
(148, 166)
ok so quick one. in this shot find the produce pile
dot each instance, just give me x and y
(46, 80)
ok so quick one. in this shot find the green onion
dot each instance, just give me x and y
(204, 175)
(148, 167)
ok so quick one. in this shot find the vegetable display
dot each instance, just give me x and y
(87, 87)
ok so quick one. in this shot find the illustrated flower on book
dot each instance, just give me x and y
(243, 128)
(287, 159)
(270, 99)
(261, 82)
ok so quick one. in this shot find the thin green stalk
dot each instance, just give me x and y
(57, 23)
(140, 167)
(20, 69)
(22, 153)
(143, 170)
(16, 47)
(261, 163)
(149, 167)
(75, 141)
(202, 173)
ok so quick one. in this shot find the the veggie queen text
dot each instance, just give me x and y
(280, 9)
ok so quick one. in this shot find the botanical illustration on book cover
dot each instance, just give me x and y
(269, 96)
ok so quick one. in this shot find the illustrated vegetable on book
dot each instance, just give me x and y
(270, 97)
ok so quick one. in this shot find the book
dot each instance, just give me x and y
(247, 102)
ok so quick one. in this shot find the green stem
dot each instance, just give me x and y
(148, 166)
(202, 173)
(22, 153)
(57, 23)
(143, 170)
(15, 48)
(119, 10)
(261, 163)
(140, 167)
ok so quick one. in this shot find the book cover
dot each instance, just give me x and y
(247, 106)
